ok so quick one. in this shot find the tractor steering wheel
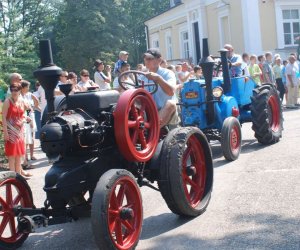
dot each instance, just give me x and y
(138, 83)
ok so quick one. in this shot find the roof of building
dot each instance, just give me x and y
(164, 11)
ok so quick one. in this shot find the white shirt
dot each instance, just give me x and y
(100, 80)
(116, 84)
(40, 94)
(292, 70)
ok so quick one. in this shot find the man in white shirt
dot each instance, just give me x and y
(292, 82)
(164, 97)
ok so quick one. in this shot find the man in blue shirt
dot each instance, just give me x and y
(235, 60)
(164, 97)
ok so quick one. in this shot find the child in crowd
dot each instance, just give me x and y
(254, 70)
(123, 57)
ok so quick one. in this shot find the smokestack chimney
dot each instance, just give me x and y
(207, 65)
(48, 73)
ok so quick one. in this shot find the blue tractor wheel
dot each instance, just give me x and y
(266, 111)
(231, 138)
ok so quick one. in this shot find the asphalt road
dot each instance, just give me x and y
(255, 204)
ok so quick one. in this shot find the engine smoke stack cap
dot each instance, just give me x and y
(205, 52)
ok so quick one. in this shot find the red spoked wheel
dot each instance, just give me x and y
(186, 171)
(274, 113)
(235, 139)
(231, 138)
(136, 125)
(14, 191)
(194, 171)
(117, 212)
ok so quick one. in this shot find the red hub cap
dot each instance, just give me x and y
(194, 171)
(235, 139)
(136, 125)
(274, 114)
(125, 213)
(12, 193)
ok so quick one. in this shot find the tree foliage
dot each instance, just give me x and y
(90, 29)
(80, 30)
(22, 23)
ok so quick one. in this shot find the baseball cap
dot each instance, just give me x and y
(123, 53)
(153, 53)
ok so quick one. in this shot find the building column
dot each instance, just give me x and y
(251, 26)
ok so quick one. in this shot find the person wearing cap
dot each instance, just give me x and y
(101, 79)
(235, 60)
(164, 97)
(123, 57)
(277, 68)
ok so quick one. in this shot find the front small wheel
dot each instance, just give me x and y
(231, 138)
(117, 211)
(14, 191)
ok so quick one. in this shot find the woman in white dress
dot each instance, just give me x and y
(102, 80)
(32, 103)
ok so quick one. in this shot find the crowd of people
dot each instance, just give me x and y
(19, 108)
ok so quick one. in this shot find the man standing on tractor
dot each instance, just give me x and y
(164, 97)
(235, 61)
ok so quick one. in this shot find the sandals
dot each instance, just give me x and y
(27, 166)
(33, 158)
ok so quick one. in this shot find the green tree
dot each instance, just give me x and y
(22, 23)
(136, 13)
(90, 29)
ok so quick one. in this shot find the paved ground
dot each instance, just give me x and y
(255, 204)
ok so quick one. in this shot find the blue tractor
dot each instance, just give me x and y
(219, 105)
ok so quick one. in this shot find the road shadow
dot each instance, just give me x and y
(159, 224)
(260, 231)
(248, 146)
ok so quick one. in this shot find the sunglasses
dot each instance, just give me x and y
(64, 76)
(14, 90)
(85, 75)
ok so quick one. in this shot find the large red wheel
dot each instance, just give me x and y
(186, 171)
(14, 191)
(117, 211)
(136, 125)
(194, 171)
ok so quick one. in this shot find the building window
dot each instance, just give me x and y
(291, 25)
(169, 47)
(155, 44)
(185, 45)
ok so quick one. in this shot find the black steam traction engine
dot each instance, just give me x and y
(106, 146)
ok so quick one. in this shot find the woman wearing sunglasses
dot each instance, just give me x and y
(13, 120)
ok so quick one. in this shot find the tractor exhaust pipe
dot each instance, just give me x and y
(225, 69)
(48, 73)
(207, 65)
